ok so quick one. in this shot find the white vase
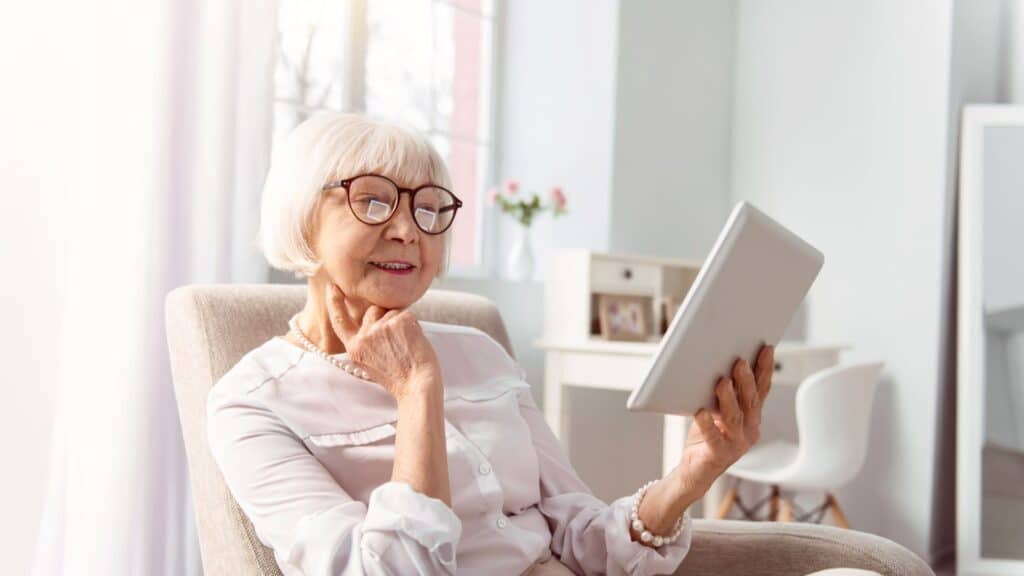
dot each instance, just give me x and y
(520, 258)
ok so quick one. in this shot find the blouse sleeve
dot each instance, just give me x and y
(299, 510)
(589, 536)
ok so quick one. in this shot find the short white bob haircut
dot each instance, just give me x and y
(330, 146)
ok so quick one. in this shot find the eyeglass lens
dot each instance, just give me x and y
(373, 199)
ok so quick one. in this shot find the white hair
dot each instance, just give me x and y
(330, 146)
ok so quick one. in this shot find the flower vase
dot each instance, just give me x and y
(520, 258)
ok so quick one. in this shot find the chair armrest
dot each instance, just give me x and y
(777, 548)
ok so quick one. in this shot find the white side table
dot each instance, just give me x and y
(621, 365)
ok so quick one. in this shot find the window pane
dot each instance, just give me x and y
(468, 163)
(481, 7)
(462, 64)
(399, 65)
(310, 66)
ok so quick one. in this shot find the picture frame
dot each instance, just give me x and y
(625, 317)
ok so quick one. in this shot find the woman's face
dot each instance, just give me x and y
(350, 252)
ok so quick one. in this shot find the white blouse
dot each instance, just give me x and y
(307, 450)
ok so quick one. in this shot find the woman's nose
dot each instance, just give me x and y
(402, 227)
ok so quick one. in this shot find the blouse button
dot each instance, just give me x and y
(502, 522)
(484, 468)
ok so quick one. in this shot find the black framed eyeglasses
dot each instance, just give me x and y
(373, 200)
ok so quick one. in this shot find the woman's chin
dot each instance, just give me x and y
(394, 298)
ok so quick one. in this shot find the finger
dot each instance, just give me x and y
(728, 405)
(744, 379)
(388, 315)
(765, 370)
(373, 314)
(706, 425)
(344, 325)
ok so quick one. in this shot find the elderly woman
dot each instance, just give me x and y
(367, 441)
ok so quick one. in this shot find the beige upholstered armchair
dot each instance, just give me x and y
(209, 328)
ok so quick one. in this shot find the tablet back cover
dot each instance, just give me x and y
(746, 293)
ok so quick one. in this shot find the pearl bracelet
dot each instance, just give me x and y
(645, 535)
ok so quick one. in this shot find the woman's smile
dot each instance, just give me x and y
(396, 267)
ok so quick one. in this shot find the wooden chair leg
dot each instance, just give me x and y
(773, 509)
(837, 512)
(785, 510)
(727, 502)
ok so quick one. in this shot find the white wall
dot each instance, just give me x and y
(556, 119)
(673, 120)
(840, 130)
(628, 106)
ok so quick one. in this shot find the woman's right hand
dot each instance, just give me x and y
(388, 344)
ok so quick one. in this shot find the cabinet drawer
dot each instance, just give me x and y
(792, 366)
(623, 277)
(789, 368)
(610, 372)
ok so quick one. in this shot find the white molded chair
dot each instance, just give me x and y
(833, 415)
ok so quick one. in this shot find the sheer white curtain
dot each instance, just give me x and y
(172, 106)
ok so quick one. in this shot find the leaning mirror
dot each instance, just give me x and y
(990, 383)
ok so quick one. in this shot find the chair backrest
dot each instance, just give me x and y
(209, 329)
(833, 414)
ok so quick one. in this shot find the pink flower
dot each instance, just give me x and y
(511, 186)
(558, 198)
(492, 195)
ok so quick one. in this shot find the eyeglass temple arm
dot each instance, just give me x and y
(336, 184)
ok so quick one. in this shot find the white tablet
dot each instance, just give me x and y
(744, 296)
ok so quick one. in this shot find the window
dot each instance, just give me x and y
(428, 63)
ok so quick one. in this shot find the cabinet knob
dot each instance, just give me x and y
(778, 366)
(627, 273)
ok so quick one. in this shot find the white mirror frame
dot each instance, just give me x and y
(971, 354)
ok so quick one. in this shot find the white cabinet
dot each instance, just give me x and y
(576, 279)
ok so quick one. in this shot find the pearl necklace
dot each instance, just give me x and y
(346, 366)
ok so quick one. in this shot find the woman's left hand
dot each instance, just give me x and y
(720, 437)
